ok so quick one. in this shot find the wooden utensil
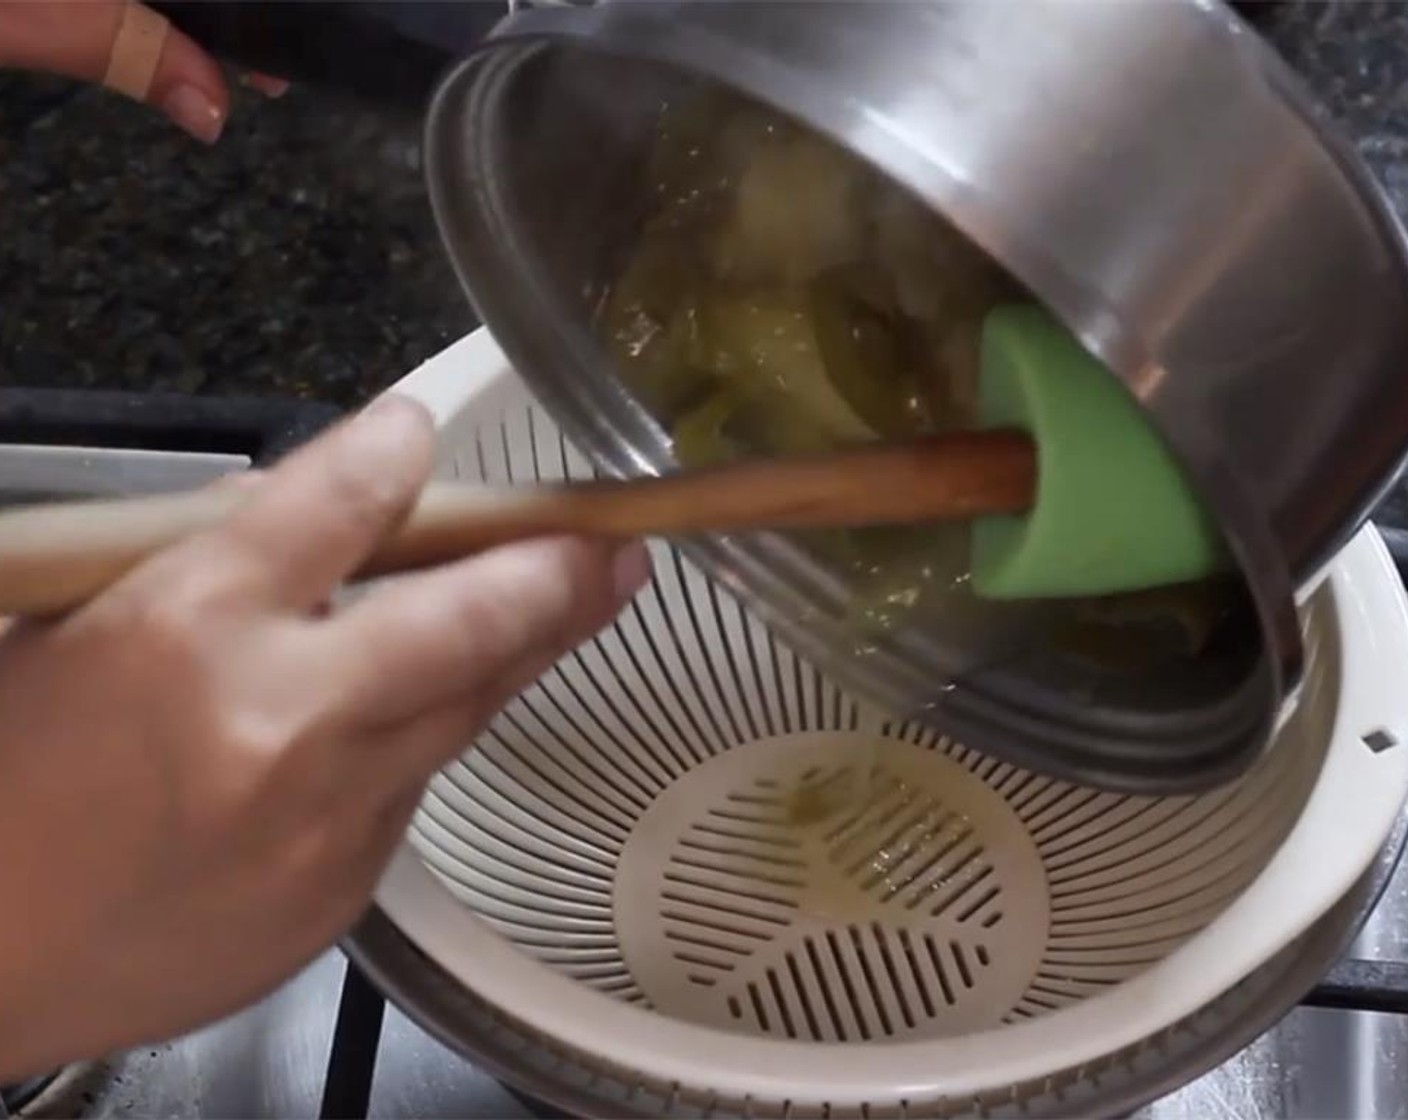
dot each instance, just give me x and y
(56, 557)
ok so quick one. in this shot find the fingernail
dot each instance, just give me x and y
(630, 570)
(395, 432)
(270, 87)
(195, 113)
(405, 410)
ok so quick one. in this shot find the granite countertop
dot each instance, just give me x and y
(298, 256)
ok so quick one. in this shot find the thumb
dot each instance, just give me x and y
(125, 46)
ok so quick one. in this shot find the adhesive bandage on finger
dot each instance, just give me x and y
(136, 50)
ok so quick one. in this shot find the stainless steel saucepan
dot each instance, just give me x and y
(1153, 172)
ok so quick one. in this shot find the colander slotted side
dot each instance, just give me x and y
(625, 821)
(611, 899)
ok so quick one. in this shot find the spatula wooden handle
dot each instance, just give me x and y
(56, 557)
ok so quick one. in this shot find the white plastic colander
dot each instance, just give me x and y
(612, 864)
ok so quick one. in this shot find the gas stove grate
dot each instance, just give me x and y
(1352, 985)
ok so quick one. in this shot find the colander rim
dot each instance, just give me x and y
(1356, 785)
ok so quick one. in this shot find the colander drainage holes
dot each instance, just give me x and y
(917, 908)
(1379, 740)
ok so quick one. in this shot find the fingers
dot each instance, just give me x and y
(186, 84)
(129, 48)
(266, 84)
(405, 758)
(479, 631)
(314, 518)
(69, 39)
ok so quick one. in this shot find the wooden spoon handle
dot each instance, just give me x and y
(56, 557)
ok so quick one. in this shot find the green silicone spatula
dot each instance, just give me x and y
(1113, 510)
(1071, 493)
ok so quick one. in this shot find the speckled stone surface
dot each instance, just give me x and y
(298, 256)
(1354, 57)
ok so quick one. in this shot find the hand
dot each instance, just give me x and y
(75, 38)
(205, 771)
